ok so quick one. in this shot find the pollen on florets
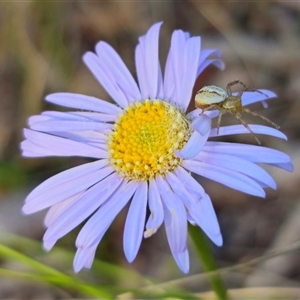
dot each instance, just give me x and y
(144, 138)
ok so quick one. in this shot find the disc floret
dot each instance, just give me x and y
(144, 139)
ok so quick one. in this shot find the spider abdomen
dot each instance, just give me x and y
(210, 95)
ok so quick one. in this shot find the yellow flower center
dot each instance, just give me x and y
(144, 138)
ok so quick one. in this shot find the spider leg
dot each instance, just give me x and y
(216, 107)
(211, 107)
(249, 89)
(230, 84)
(247, 110)
(239, 118)
(219, 122)
(203, 110)
(243, 90)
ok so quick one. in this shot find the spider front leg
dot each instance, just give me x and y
(230, 84)
(239, 118)
(245, 89)
(253, 113)
(249, 89)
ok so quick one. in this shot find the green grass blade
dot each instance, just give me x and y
(50, 275)
(208, 262)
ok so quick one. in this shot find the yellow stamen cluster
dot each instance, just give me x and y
(144, 138)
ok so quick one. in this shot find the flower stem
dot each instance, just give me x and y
(205, 255)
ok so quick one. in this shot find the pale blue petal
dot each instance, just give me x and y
(175, 216)
(90, 259)
(174, 66)
(36, 119)
(56, 209)
(64, 190)
(71, 115)
(152, 64)
(55, 145)
(97, 225)
(285, 166)
(61, 115)
(216, 62)
(141, 71)
(83, 207)
(203, 213)
(212, 113)
(240, 129)
(204, 62)
(105, 78)
(205, 53)
(49, 245)
(65, 176)
(95, 116)
(83, 102)
(183, 56)
(194, 113)
(202, 124)
(135, 222)
(50, 115)
(225, 176)
(179, 189)
(190, 53)
(61, 125)
(160, 84)
(169, 85)
(257, 154)
(80, 117)
(89, 137)
(182, 260)
(200, 209)
(190, 219)
(189, 182)
(253, 97)
(193, 146)
(115, 66)
(156, 210)
(147, 63)
(82, 256)
(31, 150)
(241, 165)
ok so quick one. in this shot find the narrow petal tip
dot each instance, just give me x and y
(202, 124)
(218, 240)
(48, 245)
(149, 232)
(193, 146)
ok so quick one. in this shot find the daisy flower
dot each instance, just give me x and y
(145, 148)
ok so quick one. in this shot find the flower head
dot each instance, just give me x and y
(145, 148)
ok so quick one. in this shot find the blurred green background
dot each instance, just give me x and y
(41, 45)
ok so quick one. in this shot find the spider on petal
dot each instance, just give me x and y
(212, 97)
